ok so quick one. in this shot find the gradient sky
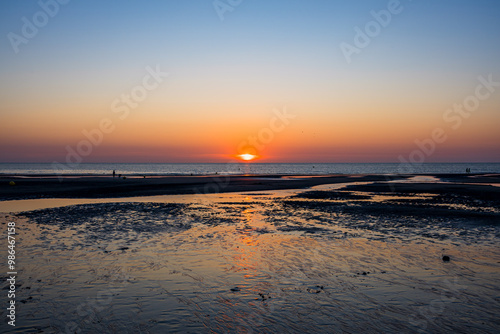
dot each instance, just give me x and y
(227, 76)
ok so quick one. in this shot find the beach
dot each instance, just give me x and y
(235, 166)
(263, 254)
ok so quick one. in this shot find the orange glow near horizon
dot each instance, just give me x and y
(247, 156)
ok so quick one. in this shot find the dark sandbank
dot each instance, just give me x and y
(484, 187)
(80, 186)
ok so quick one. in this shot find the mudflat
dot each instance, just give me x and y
(369, 253)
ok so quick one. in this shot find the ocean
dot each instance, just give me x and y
(246, 168)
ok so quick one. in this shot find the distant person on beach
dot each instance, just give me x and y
(114, 173)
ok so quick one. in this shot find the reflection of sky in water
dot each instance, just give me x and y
(251, 262)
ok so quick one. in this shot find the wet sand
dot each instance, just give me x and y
(355, 256)
(79, 186)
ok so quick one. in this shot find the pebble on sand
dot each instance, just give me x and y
(446, 258)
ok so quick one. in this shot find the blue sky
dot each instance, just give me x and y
(264, 52)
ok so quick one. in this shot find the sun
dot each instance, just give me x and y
(247, 156)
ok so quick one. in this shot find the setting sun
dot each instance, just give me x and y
(247, 156)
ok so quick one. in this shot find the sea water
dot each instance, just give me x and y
(236, 168)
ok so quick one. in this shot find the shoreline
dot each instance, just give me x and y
(105, 186)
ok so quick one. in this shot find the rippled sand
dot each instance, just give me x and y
(320, 261)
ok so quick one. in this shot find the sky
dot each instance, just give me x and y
(287, 81)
